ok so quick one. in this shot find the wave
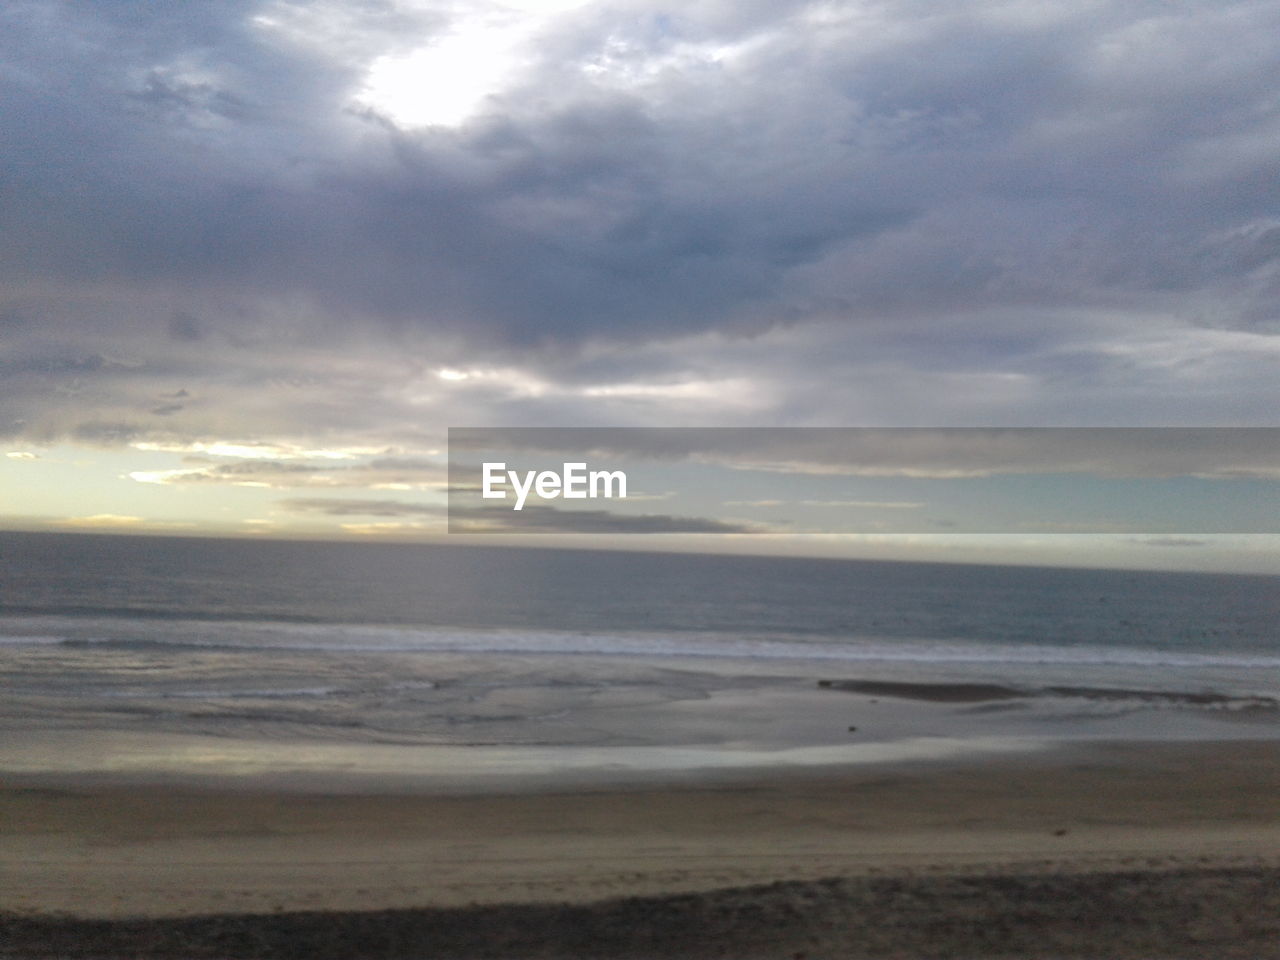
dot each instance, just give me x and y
(251, 636)
(304, 693)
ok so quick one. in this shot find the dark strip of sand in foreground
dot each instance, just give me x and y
(1198, 914)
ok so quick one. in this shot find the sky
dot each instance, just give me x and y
(259, 254)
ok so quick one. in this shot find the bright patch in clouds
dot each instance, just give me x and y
(490, 48)
(710, 390)
(447, 81)
(101, 520)
(253, 451)
(116, 521)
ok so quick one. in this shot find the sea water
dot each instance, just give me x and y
(144, 657)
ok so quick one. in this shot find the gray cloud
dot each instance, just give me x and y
(802, 213)
(1221, 453)
(348, 507)
(541, 519)
(532, 519)
(387, 472)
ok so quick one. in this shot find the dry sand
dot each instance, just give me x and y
(1162, 849)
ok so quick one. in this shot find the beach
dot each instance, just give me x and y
(988, 839)
(795, 759)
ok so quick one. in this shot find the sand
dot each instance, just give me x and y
(1127, 842)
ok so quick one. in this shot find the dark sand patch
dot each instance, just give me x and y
(932, 692)
(944, 692)
(1187, 913)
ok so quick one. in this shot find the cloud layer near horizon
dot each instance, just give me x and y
(787, 213)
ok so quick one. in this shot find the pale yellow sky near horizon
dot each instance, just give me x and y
(69, 488)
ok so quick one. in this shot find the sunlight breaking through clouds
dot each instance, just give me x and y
(481, 53)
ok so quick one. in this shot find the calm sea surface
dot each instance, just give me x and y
(124, 652)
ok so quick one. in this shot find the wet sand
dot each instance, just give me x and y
(1157, 846)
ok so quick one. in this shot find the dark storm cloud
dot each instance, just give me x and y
(974, 205)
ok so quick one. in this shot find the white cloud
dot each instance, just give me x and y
(115, 521)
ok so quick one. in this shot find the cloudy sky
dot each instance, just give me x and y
(257, 253)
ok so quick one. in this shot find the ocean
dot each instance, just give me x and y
(457, 666)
